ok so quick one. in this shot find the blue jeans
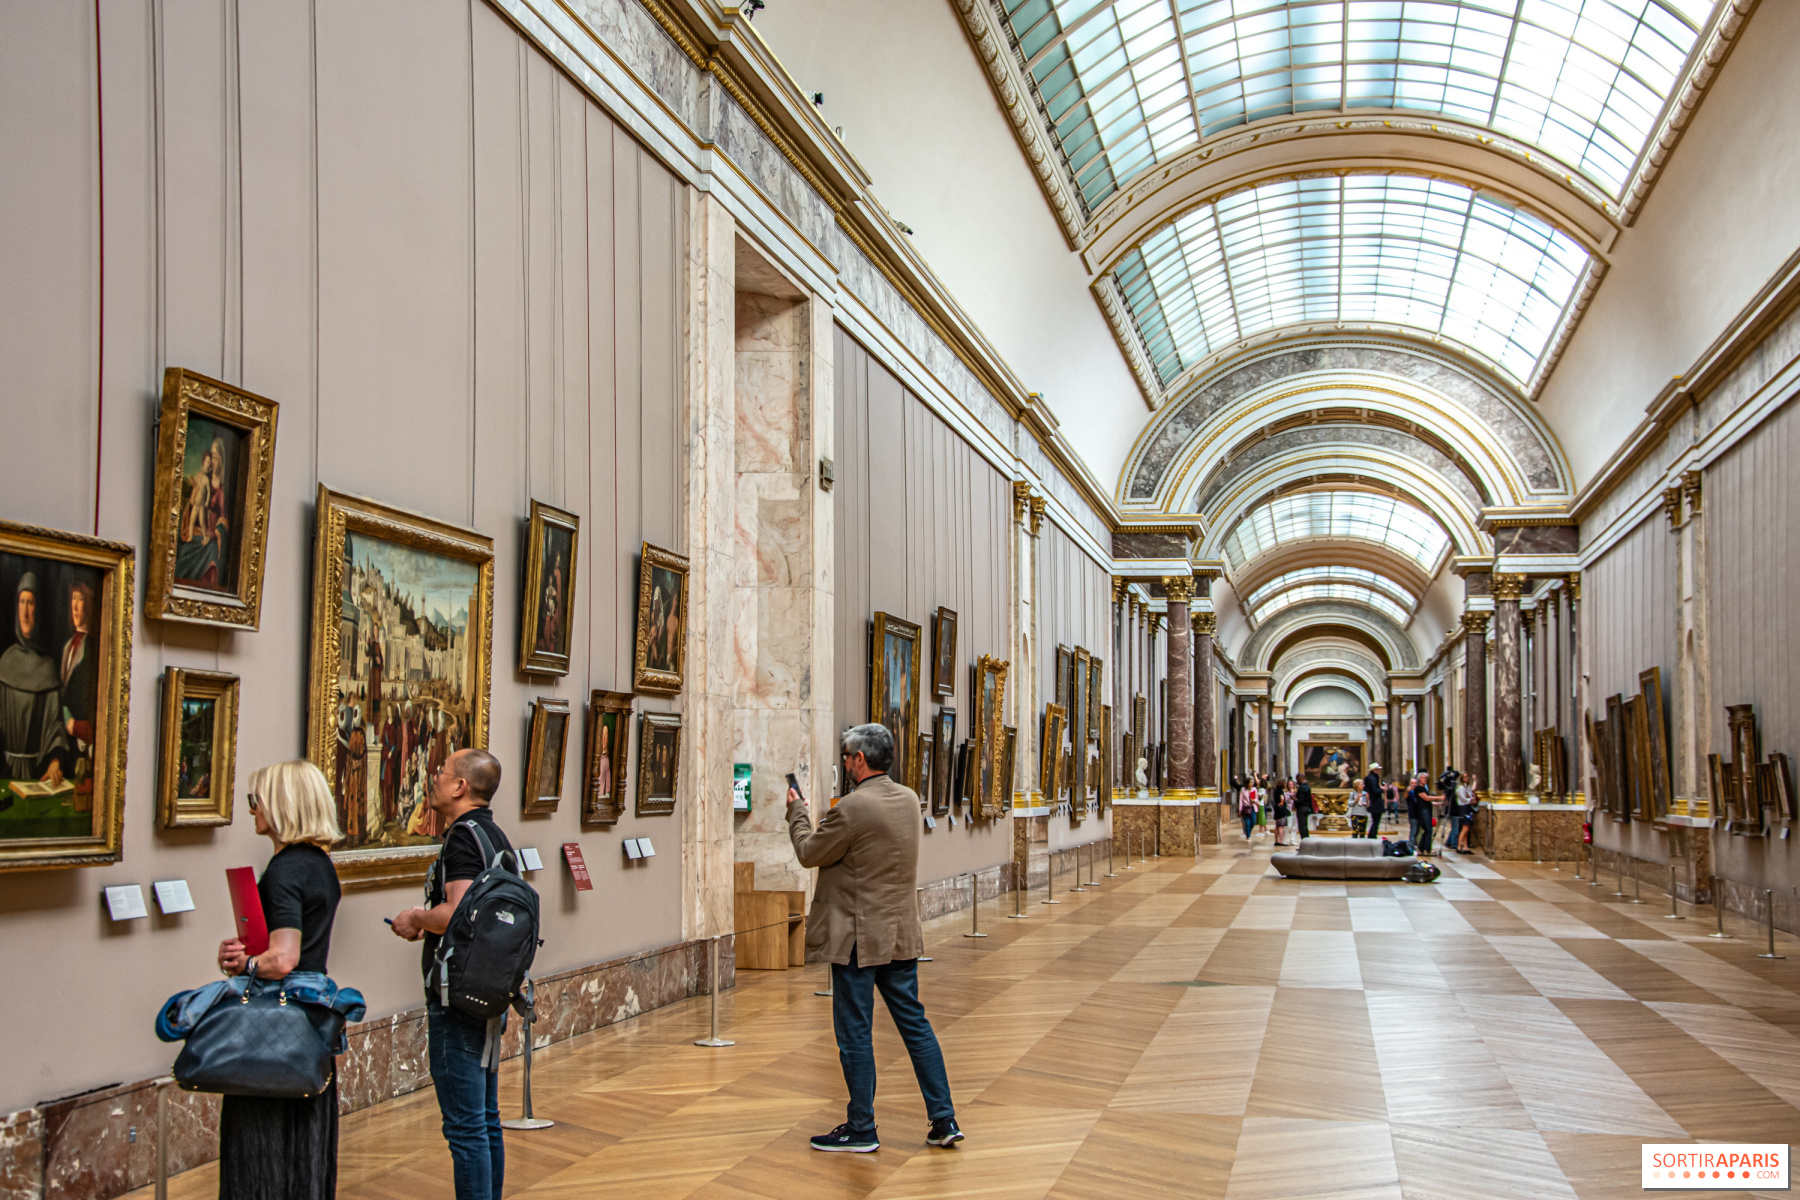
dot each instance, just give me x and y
(1249, 819)
(469, 1097)
(853, 1011)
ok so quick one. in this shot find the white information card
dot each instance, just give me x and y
(126, 902)
(529, 857)
(172, 896)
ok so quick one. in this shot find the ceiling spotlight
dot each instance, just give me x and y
(818, 99)
(750, 8)
(903, 228)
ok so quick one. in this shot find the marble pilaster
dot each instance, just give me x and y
(1692, 701)
(1509, 764)
(1475, 728)
(1179, 772)
(1206, 718)
(1264, 762)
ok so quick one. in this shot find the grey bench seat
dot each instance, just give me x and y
(1340, 858)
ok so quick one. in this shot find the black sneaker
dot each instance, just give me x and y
(845, 1140)
(944, 1133)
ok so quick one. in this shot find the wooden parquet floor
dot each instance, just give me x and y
(1196, 1030)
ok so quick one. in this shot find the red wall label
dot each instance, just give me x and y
(577, 866)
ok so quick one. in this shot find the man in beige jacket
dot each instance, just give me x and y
(865, 923)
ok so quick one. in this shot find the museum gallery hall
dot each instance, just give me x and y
(1298, 492)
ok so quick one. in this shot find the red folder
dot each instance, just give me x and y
(246, 908)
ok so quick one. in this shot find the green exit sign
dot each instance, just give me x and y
(740, 787)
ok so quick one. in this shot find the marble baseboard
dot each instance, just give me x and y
(1177, 829)
(1137, 827)
(1209, 814)
(102, 1143)
(1519, 832)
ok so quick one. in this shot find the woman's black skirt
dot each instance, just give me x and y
(279, 1149)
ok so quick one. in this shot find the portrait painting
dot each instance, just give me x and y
(402, 659)
(661, 621)
(1049, 758)
(659, 762)
(215, 454)
(1330, 763)
(199, 748)
(942, 763)
(65, 661)
(603, 783)
(894, 666)
(545, 749)
(549, 602)
(986, 737)
(943, 652)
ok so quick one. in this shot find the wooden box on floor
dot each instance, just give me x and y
(770, 926)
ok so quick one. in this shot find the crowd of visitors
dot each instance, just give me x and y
(1283, 809)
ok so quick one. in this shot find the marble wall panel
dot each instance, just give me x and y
(1177, 826)
(1208, 816)
(22, 1155)
(1136, 827)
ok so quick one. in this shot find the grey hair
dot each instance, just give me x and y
(873, 742)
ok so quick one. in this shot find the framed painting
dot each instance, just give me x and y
(1330, 763)
(942, 764)
(197, 763)
(65, 687)
(1094, 692)
(1065, 671)
(1103, 793)
(1128, 755)
(985, 737)
(1078, 708)
(608, 734)
(402, 658)
(1049, 760)
(1656, 741)
(661, 621)
(943, 652)
(1009, 754)
(925, 775)
(545, 755)
(209, 524)
(1637, 758)
(659, 763)
(1140, 720)
(1785, 801)
(959, 776)
(1613, 745)
(894, 667)
(552, 541)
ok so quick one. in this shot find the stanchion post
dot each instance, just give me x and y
(713, 1039)
(1049, 877)
(974, 907)
(1127, 865)
(1769, 898)
(526, 1120)
(1578, 846)
(1718, 910)
(1110, 873)
(1018, 912)
(1637, 887)
(1621, 894)
(162, 1136)
(1674, 905)
(1079, 886)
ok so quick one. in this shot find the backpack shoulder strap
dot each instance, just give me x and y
(488, 855)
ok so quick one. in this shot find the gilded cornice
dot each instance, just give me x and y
(1131, 341)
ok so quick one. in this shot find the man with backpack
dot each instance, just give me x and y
(480, 932)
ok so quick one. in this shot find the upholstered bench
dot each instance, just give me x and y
(1341, 858)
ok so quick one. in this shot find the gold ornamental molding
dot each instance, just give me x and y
(1575, 585)
(1038, 505)
(1508, 586)
(1476, 623)
(1205, 623)
(1180, 588)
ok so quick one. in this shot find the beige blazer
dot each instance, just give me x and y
(867, 852)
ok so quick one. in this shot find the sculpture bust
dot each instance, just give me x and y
(1143, 773)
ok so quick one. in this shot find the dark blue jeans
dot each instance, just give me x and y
(852, 1013)
(469, 1097)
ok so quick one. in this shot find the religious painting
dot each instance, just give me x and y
(65, 664)
(545, 755)
(603, 783)
(1078, 727)
(985, 737)
(659, 763)
(894, 666)
(942, 764)
(1065, 675)
(1095, 675)
(215, 461)
(551, 541)
(402, 656)
(925, 765)
(1049, 760)
(1331, 763)
(1009, 752)
(943, 652)
(199, 748)
(661, 621)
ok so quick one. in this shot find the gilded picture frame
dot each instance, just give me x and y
(1656, 745)
(546, 754)
(73, 817)
(925, 771)
(1103, 791)
(1078, 724)
(1009, 754)
(1096, 684)
(603, 780)
(985, 735)
(943, 652)
(1065, 662)
(209, 512)
(659, 763)
(943, 766)
(895, 647)
(660, 658)
(197, 766)
(1049, 758)
(547, 605)
(379, 556)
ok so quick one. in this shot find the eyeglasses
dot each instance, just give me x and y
(251, 802)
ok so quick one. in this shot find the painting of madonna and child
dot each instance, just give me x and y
(50, 650)
(407, 674)
(212, 486)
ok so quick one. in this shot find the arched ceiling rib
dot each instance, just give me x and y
(1395, 593)
(1353, 623)
(1349, 593)
(1325, 675)
(1325, 657)
(1128, 85)
(1308, 555)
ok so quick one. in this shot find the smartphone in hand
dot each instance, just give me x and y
(794, 784)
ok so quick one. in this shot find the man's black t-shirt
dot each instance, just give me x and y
(1372, 785)
(460, 860)
(1418, 802)
(299, 890)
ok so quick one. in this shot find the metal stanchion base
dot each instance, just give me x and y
(1673, 917)
(539, 1122)
(974, 935)
(1771, 956)
(714, 1042)
(1049, 901)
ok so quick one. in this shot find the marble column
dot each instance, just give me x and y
(1578, 747)
(1121, 716)
(1206, 721)
(1264, 763)
(1474, 750)
(1692, 685)
(1509, 763)
(1179, 772)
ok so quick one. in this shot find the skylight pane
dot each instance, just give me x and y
(1362, 516)
(1347, 592)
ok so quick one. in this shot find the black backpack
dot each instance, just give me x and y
(486, 951)
(1421, 872)
(1400, 849)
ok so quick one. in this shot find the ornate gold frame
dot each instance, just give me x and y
(943, 762)
(1103, 790)
(987, 744)
(546, 662)
(535, 799)
(905, 740)
(1096, 686)
(338, 513)
(942, 619)
(115, 561)
(647, 806)
(1050, 754)
(595, 810)
(645, 679)
(1078, 723)
(184, 393)
(1009, 746)
(180, 684)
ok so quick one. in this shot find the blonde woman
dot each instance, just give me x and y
(280, 1149)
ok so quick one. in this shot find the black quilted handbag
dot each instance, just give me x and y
(261, 1044)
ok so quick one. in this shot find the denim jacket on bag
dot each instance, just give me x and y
(182, 1012)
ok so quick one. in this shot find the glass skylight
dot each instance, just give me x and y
(1331, 591)
(1389, 249)
(1125, 86)
(1363, 516)
(1369, 580)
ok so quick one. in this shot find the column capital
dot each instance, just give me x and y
(1206, 623)
(1690, 491)
(1156, 620)
(1038, 505)
(1476, 622)
(1508, 586)
(1119, 584)
(1574, 585)
(1180, 588)
(1671, 505)
(1021, 499)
